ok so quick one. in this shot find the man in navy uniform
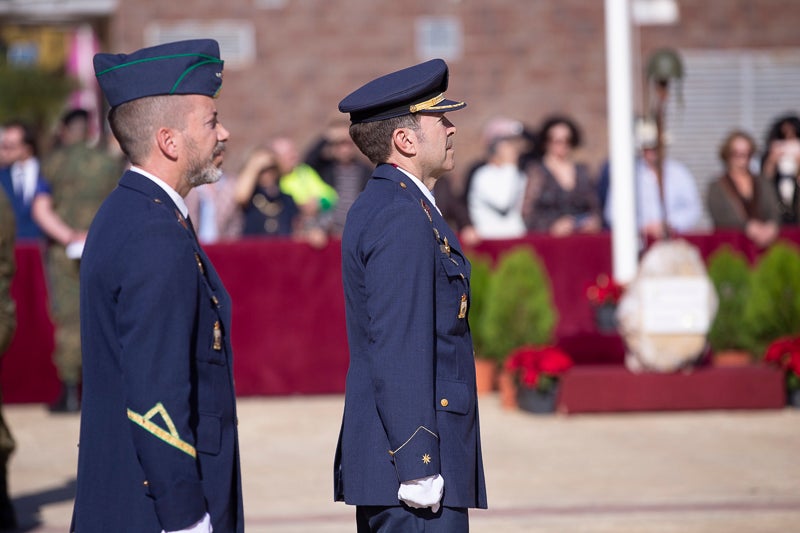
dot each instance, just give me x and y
(409, 453)
(158, 439)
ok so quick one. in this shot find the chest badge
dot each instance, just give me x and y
(445, 247)
(217, 336)
(462, 308)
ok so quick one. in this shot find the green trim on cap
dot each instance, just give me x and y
(186, 72)
(210, 59)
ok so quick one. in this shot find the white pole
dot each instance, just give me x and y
(620, 135)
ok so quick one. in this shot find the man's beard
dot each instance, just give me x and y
(201, 172)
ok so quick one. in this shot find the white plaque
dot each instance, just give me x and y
(675, 305)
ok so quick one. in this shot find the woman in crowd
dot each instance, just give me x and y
(267, 210)
(740, 200)
(559, 196)
(781, 166)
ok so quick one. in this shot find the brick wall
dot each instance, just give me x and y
(521, 58)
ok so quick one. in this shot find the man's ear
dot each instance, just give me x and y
(167, 142)
(405, 141)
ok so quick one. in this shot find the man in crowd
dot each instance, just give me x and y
(409, 453)
(158, 443)
(80, 176)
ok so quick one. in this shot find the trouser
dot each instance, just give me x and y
(404, 519)
(64, 291)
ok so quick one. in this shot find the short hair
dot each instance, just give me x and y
(725, 148)
(74, 114)
(374, 139)
(134, 123)
(28, 134)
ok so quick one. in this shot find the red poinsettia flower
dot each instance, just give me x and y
(538, 366)
(604, 291)
(785, 353)
(782, 351)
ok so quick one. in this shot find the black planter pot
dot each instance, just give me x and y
(534, 401)
(605, 318)
(793, 398)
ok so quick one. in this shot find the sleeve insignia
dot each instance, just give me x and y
(170, 435)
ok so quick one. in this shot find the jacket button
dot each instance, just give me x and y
(444, 402)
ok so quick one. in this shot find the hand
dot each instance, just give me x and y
(761, 233)
(423, 492)
(563, 226)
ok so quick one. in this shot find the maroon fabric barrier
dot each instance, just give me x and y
(28, 374)
(288, 311)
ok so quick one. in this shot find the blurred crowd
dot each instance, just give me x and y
(526, 180)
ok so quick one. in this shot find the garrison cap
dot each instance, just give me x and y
(183, 67)
(417, 89)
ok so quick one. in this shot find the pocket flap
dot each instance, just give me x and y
(453, 396)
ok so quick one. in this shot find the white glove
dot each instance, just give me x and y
(423, 492)
(203, 526)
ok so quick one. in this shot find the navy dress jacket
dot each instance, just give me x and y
(158, 438)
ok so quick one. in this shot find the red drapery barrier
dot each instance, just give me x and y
(289, 332)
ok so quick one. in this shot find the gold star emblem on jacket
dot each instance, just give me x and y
(426, 459)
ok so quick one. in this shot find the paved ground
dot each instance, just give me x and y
(732, 472)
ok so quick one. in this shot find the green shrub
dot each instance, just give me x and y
(773, 308)
(479, 291)
(519, 308)
(729, 270)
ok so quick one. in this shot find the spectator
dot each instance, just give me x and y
(678, 195)
(8, 322)
(267, 210)
(781, 166)
(739, 199)
(560, 198)
(496, 191)
(20, 176)
(340, 165)
(451, 199)
(214, 208)
(81, 176)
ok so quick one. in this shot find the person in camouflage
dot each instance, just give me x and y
(8, 324)
(80, 176)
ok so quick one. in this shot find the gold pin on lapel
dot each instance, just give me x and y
(199, 263)
(427, 210)
(181, 220)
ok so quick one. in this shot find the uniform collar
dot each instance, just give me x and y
(172, 193)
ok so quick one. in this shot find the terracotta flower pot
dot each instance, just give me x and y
(485, 375)
(728, 358)
(508, 389)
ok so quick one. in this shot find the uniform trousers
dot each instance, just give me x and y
(404, 519)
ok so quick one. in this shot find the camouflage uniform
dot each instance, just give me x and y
(81, 177)
(8, 322)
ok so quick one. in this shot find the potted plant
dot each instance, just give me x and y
(536, 370)
(603, 296)
(519, 310)
(785, 353)
(772, 310)
(485, 366)
(730, 273)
